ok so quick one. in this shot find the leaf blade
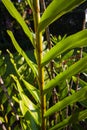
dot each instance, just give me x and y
(15, 14)
(71, 119)
(31, 107)
(34, 91)
(72, 70)
(19, 49)
(78, 96)
(55, 10)
(74, 41)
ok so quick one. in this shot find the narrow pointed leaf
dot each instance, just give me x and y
(31, 124)
(33, 109)
(19, 49)
(15, 14)
(82, 83)
(55, 10)
(74, 41)
(78, 116)
(30, 2)
(34, 91)
(77, 67)
(78, 96)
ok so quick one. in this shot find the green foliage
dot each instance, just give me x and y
(72, 70)
(55, 10)
(79, 96)
(78, 116)
(74, 41)
(33, 81)
(12, 10)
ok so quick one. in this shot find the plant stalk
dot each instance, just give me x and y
(39, 56)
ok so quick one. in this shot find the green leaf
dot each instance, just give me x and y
(82, 83)
(67, 55)
(19, 49)
(1, 61)
(78, 96)
(31, 107)
(34, 91)
(74, 41)
(77, 67)
(55, 10)
(15, 14)
(28, 117)
(3, 69)
(78, 116)
(4, 98)
(30, 2)
(84, 103)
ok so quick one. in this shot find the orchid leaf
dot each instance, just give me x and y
(19, 49)
(76, 68)
(74, 41)
(78, 116)
(15, 14)
(55, 10)
(34, 91)
(78, 96)
(32, 108)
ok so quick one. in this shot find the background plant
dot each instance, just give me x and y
(33, 80)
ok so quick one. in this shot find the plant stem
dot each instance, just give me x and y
(39, 55)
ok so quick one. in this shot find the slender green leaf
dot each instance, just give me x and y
(55, 10)
(28, 117)
(32, 108)
(67, 55)
(77, 67)
(30, 2)
(84, 103)
(78, 96)
(82, 83)
(78, 116)
(15, 14)
(34, 91)
(74, 41)
(19, 49)
(3, 69)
